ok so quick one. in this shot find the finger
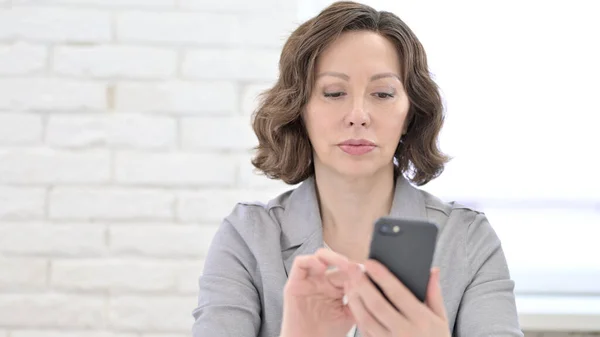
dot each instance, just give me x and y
(336, 277)
(434, 300)
(331, 258)
(400, 296)
(305, 266)
(365, 321)
(377, 305)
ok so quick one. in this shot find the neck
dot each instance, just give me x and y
(350, 206)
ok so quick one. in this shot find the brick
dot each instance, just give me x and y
(123, 275)
(52, 310)
(22, 273)
(250, 177)
(163, 335)
(109, 61)
(178, 28)
(56, 240)
(55, 24)
(132, 131)
(69, 333)
(20, 129)
(174, 169)
(237, 64)
(151, 240)
(250, 96)
(177, 97)
(52, 94)
(218, 133)
(267, 30)
(47, 166)
(111, 203)
(213, 205)
(22, 203)
(118, 4)
(239, 6)
(22, 58)
(149, 314)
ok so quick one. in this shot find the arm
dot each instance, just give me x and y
(228, 302)
(488, 305)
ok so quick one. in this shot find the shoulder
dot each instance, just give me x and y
(247, 217)
(463, 223)
(463, 220)
(465, 231)
(450, 212)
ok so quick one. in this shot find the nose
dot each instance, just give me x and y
(358, 115)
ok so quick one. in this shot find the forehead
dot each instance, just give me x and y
(359, 52)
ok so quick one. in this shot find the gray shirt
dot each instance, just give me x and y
(246, 268)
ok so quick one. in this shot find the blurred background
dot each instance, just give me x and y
(125, 138)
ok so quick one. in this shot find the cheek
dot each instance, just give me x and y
(393, 120)
(319, 121)
(315, 127)
(320, 135)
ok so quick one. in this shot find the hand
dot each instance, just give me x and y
(376, 317)
(312, 300)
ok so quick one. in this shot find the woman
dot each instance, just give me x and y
(354, 116)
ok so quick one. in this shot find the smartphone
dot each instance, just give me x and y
(406, 247)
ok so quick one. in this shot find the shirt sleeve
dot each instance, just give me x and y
(488, 304)
(228, 302)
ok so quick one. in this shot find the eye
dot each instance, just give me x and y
(383, 95)
(334, 94)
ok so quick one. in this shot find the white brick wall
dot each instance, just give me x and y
(50, 166)
(205, 133)
(20, 129)
(110, 203)
(42, 239)
(22, 58)
(52, 310)
(23, 273)
(115, 61)
(159, 313)
(124, 141)
(177, 97)
(112, 131)
(178, 28)
(46, 333)
(232, 64)
(26, 203)
(55, 24)
(182, 169)
(52, 94)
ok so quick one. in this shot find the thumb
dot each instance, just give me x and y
(434, 299)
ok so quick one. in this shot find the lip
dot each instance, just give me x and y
(357, 142)
(356, 147)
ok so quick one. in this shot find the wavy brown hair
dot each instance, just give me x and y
(284, 150)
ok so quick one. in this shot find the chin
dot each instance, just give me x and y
(357, 170)
(354, 167)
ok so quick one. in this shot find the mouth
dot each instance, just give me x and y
(357, 147)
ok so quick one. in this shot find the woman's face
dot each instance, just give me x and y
(357, 110)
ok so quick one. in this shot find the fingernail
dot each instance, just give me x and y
(345, 300)
(362, 267)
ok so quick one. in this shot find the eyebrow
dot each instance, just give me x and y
(347, 78)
